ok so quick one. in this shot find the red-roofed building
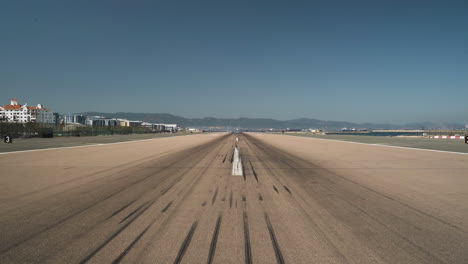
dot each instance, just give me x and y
(17, 113)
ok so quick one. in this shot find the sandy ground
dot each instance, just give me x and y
(173, 200)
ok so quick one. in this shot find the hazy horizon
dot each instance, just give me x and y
(393, 62)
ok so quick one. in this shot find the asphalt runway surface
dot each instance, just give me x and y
(451, 145)
(174, 200)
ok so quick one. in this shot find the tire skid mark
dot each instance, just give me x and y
(120, 189)
(244, 175)
(260, 197)
(287, 189)
(166, 207)
(214, 239)
(133, 212)
(270, 149)
(276, 190)
(253, 171)
(115, 192)
(121, 209)
(92, 254)
(186, 243)
(204, 203)
(230, 200)
(214, 196)
(274, 241)
(164, 191)
(103, 199)
(243, 198)
(87, 176)
(224, 158)
(397, 233)
(127, 249)
(247, 248)
(262, 149)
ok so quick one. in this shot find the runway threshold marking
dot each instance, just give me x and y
(237, 169)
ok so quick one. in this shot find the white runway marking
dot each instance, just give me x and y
(237, 164)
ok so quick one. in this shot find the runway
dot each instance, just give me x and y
(175, 200)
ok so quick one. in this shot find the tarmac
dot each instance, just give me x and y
(175, 200)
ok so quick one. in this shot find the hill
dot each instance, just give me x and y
(300, 123)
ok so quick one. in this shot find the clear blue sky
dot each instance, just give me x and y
(362, 61)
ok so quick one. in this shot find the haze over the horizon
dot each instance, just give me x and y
(358, 61)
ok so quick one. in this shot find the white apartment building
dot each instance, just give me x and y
(17, 113)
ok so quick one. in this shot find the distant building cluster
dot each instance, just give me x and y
(101, 121)
(17, 113)
(344, 129)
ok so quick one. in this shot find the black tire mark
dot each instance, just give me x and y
(253, 171)
(186, 243)
(224, 158)
(214, 240)
(133, 212)
(260, 197)
(287, 189)
(166, 207)
(83, 177)
(204, 203)
(294, 160)
(248, 251)
(214, 196)
(262, 149)
(164, 191)
(92, 254)
(243, 170)
(86, 231)
(274, 241)
(230, 200)
(243, 197)
(125, 252)
(276, 190)
(199, 149)
(121, 209)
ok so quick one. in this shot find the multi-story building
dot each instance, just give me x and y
(56, 118)
(154, 127)
(17, 113)
(74, 119)
(128, 123)
(170, 127)
(101, 121)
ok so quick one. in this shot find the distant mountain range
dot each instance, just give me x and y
(256, 123)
